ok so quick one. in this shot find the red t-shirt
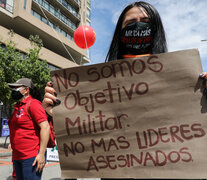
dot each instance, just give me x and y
(24, 132)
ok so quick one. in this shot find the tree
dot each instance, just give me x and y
(15, 65)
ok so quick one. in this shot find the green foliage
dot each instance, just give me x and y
(14, 65)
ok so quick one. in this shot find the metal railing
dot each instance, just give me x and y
(78, 1)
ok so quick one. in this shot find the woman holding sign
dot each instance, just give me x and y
(139, 32)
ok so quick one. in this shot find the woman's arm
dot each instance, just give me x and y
(44, 137)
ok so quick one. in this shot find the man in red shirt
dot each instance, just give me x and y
(29, 131)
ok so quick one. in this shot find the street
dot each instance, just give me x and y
(51, 170)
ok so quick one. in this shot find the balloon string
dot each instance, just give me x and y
(58, 36)
(84, 34)
(81, 23)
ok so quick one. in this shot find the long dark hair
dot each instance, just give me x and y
(159, 42)
(35, 93)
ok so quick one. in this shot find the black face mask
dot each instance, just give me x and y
(136, 38)
(16, 95)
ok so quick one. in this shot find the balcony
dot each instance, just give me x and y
(70, 8)
(75, 3)
(53, 13)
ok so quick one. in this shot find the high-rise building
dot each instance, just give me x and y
(54, 21)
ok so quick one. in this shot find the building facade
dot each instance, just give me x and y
(55, 21)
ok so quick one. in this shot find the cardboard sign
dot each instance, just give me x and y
(134, 118)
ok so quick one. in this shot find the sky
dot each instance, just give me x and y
(185, 23)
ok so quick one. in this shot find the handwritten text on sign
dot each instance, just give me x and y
(126, 114)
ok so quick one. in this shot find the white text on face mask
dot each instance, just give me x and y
(134, 33)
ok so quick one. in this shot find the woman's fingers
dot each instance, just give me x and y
(203, 75)
(47, 104)
(50, 83)
(50, 90)
(50, 98)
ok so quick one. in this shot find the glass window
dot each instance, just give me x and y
(37, 15)
(62, 17)
(44, 20)
(25, 3)
(40, 2)
(69, 8)
(73, 11)
(57, 28)
(50, 24)
(88, 14)
(52, 67)
(52, 9)
(57, 13)
(69, 37)
(45, 5)
(69, 22)
(54, 26)
(64, 3)
(73, 26)
(62, 32)
(88, 23)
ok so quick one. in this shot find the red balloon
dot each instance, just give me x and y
(84, 37)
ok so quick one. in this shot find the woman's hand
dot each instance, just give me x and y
(50, 98)
(204, 76)
(40, 161)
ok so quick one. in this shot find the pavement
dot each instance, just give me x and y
(4, 151)
(51, 171)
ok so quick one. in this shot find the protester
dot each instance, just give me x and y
(139, 32)
(29, 130)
